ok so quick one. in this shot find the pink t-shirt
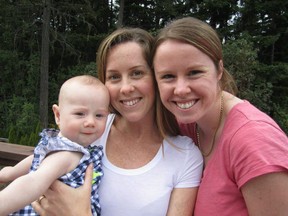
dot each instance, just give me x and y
(251, 145)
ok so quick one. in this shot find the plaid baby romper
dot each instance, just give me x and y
(50, 142)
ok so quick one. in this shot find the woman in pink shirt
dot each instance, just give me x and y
(245, 151)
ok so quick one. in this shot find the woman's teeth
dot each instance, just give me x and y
(186, 105)
(131, 102)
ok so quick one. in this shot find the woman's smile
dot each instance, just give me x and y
(185, 105)
(131, 102)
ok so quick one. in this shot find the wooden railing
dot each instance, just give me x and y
(10, 154)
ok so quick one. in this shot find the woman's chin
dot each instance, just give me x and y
(184, 120)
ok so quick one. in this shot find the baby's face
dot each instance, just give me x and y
(83, 113)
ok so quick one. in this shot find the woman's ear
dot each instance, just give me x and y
(56, 112)
(220, 69)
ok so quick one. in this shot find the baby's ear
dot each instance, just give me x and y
(56, 112)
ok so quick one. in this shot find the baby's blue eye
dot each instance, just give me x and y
(100, 115)
(79, 114)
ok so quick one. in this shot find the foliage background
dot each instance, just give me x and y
(254, 35)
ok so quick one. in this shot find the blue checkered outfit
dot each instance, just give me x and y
(50, 142)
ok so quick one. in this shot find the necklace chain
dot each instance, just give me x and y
(214, 136)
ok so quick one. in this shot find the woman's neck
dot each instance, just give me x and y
(137, 130)
(132, 145)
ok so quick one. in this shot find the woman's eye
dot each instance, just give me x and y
(194, 72)
(167, 76)
(137, 73)
(113, 77)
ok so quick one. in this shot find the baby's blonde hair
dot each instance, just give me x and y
(81, 79)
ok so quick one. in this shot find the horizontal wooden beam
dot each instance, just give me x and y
(10, 154)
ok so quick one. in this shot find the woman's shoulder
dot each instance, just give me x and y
(182, 151)
(109, 122)
(247, 125)
(246, 114)
(182, 145)
(181, 141)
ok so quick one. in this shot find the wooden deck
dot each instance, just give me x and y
(10, 154)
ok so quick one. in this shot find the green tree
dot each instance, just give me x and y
(254, 34)
(257, 81)
(240, 58)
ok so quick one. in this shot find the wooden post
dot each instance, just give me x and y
(11, 154)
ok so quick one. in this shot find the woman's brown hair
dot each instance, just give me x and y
(166, 122)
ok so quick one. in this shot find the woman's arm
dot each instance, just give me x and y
(10, 173)
(267, 194)
(182, 201)
(62, 200)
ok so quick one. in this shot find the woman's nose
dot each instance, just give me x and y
(127, 86)
(182, 87)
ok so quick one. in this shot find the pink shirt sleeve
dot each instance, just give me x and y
(258, 149)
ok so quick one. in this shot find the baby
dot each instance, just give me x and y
(65, 154)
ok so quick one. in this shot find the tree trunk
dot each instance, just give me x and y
(272, 53)
(121, 14)
(44, 69)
